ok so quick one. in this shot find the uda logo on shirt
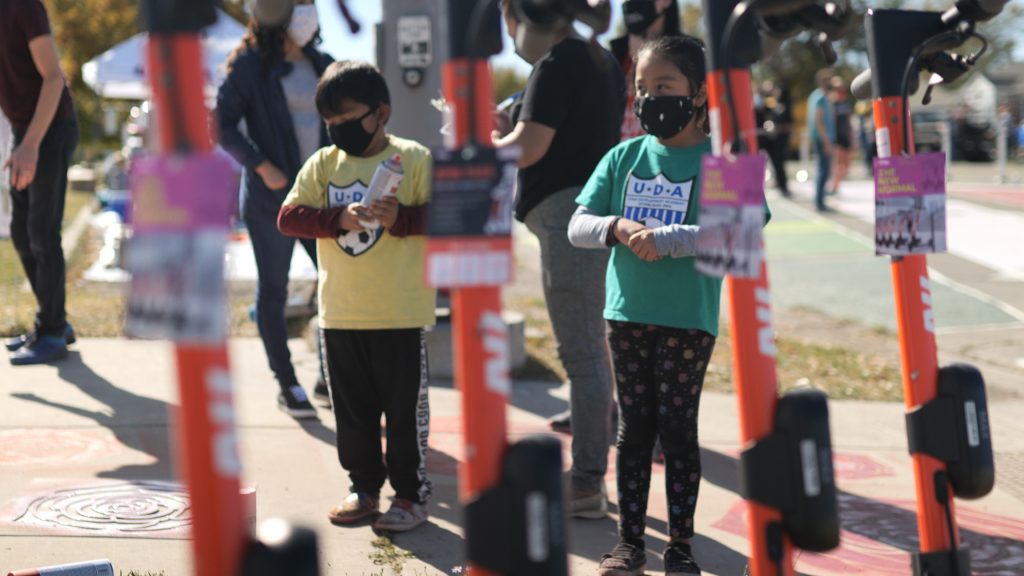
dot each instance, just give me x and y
(656, 201)
(352, 243)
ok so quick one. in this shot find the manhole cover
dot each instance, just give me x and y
(137, 507)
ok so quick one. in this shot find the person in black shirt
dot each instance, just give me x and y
(570, 117)
(35, 97)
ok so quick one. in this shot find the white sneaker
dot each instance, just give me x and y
(403, 516)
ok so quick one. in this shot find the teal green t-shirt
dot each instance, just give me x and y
(656, 185)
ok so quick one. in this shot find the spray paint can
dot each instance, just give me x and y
(384, 183)
(90, 568)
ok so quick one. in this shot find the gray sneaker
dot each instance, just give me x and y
(404, 515)
(590, 505)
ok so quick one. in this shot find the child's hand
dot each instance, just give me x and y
(642, 244)
(625, 229)
(385, 210)
(349, 218)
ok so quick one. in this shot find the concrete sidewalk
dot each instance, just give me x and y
(79, 443)
(86, 461)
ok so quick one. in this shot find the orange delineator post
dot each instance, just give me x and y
(206, 437)
(751, 329)
(918, 351)
(483, 406)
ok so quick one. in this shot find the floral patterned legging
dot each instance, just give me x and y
(659, 373)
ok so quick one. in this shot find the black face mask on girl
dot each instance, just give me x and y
(350, 135)
(664, 116)
(638, 15)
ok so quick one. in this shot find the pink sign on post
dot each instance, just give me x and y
(730, 240)
(181, 193)
(181, 212)
(910, 204)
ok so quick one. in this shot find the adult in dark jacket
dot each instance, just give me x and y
(271, 85)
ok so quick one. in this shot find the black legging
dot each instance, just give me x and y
(659, 372)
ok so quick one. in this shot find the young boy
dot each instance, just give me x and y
(373, 301)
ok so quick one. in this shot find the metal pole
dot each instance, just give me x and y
(749, 301)
(477, 310)
(207, 444)
(889, 48)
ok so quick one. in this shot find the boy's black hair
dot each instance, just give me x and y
(352, 80)
(686, 53)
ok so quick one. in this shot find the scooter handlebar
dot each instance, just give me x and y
(860, 88)
(980, 10)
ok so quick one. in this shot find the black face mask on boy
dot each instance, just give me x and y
(638, 15)
(350, 136)
(664, 116)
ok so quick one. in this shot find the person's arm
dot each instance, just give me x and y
(307, 222)
(229, 113)
(411, 219)
(676, 240)
(300, 215)
(533, 139)
(25, 157)
(588, 229)
(547, 99)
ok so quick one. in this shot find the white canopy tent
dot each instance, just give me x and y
(120, 72)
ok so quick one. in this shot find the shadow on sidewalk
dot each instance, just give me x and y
(316, 429)
(137, 422)
(536, 396)
(886, 523)
(434, 544)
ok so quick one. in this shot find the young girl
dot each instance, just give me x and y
(643, 201)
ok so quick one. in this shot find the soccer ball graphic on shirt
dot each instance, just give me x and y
(352, 243)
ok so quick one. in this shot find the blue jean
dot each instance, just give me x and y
(273, 260)
(824, 173)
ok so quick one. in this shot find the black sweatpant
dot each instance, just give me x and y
(374, 372)
(659, 375)
(36, 215)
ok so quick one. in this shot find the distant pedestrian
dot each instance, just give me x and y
(271, 86)
(866, 135)
(374, 303)
(662, 315)
(842, 117)
(775, 123)
(35, 98)
(570, 116)
(821, 132)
